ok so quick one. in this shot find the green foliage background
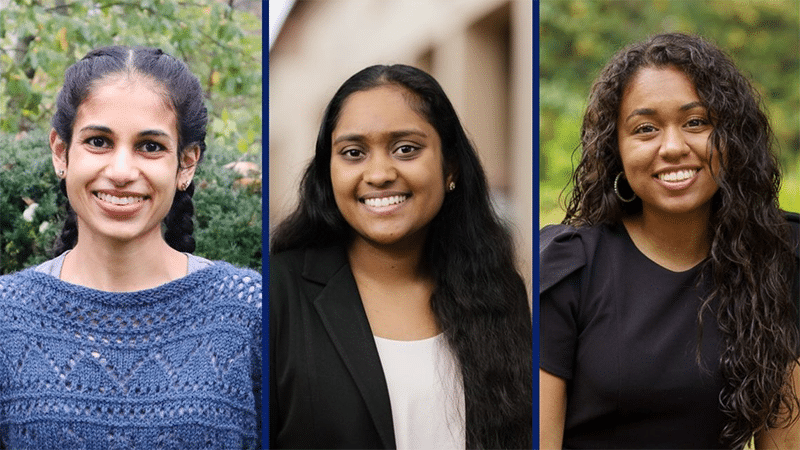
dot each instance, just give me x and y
(577, 37)
(39, 39)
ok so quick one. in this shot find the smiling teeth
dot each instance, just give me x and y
(118, 200)
(385, 201)
(680, 175)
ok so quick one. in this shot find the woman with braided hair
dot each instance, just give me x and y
(669, 293)
(126, 339)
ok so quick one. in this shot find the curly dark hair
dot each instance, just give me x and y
(185, 95)
(480, 301)
(751, 255)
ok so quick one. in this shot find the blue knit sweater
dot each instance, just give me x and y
(174, 367)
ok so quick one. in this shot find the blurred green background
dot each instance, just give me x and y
(577, 37)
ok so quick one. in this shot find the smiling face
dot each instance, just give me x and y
(386, 167)
(663, 131)
(122, 163)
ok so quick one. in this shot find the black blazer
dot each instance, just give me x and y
(327, 388)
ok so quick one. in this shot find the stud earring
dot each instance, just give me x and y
(61, 173)
(616, 190)
(451, 187)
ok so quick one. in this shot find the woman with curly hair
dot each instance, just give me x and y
(669, 294)
(397, 317)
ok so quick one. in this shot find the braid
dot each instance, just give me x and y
(179, 221)
(69, 233)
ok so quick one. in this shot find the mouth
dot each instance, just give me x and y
(677, 176)
(120, 201)
(384, 201)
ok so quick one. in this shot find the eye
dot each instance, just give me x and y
(352, 154)
(97, 141)
(406, 151)
(644, 129)
(152, 147)
(697, 122)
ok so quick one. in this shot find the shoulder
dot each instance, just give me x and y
(228, 269)
(16, 282)
(312, 264)
(564, 249)
(221, 271)
(228, 283)
(286, 261)
(11, 281)
(29, 290)
(794, 223)
(298, 276)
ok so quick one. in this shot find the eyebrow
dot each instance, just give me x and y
(152, 133)
(652, 112)
(99, 128)
(107, 130)
(691, 105)
(392, 135)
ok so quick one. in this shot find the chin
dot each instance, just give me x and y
(381, 239)
(122, 234)
(683, 209)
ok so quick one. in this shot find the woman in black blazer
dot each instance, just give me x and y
(397, 317)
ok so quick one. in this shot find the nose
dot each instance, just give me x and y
(380, 169)
(121, 169)
(674, 145)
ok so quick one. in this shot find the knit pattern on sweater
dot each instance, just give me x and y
(174, 367)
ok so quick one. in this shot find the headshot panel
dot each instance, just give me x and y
(670, 241)
(400, 231)
(130, 295)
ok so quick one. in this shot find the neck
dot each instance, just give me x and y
(675, 241)
(122, 266)
(395, 288)
(398, 264)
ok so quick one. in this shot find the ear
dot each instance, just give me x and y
(452, 175)
(59, 151)
(187, 165)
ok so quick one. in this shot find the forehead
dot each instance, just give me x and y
(658, 84)
(379, 109)
(128, 101)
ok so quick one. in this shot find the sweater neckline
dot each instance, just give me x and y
(169, 290)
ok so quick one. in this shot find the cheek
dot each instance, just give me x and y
(433, 182)
(340, 188)
(343, 178)
(632, 156)
(160, 171)
(336, 183)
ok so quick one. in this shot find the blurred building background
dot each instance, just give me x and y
(480, 51)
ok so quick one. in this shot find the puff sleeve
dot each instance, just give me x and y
(794, 223)
(564, 252)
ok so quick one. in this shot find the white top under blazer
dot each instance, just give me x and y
(426, 393)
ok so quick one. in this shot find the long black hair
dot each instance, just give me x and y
(479, 301)
(751, 255)
(186, 98)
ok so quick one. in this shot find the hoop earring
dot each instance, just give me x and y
(616, 190)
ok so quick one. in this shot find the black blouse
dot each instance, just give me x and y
(623, 332)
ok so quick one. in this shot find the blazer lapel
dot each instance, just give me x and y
(342, 313)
